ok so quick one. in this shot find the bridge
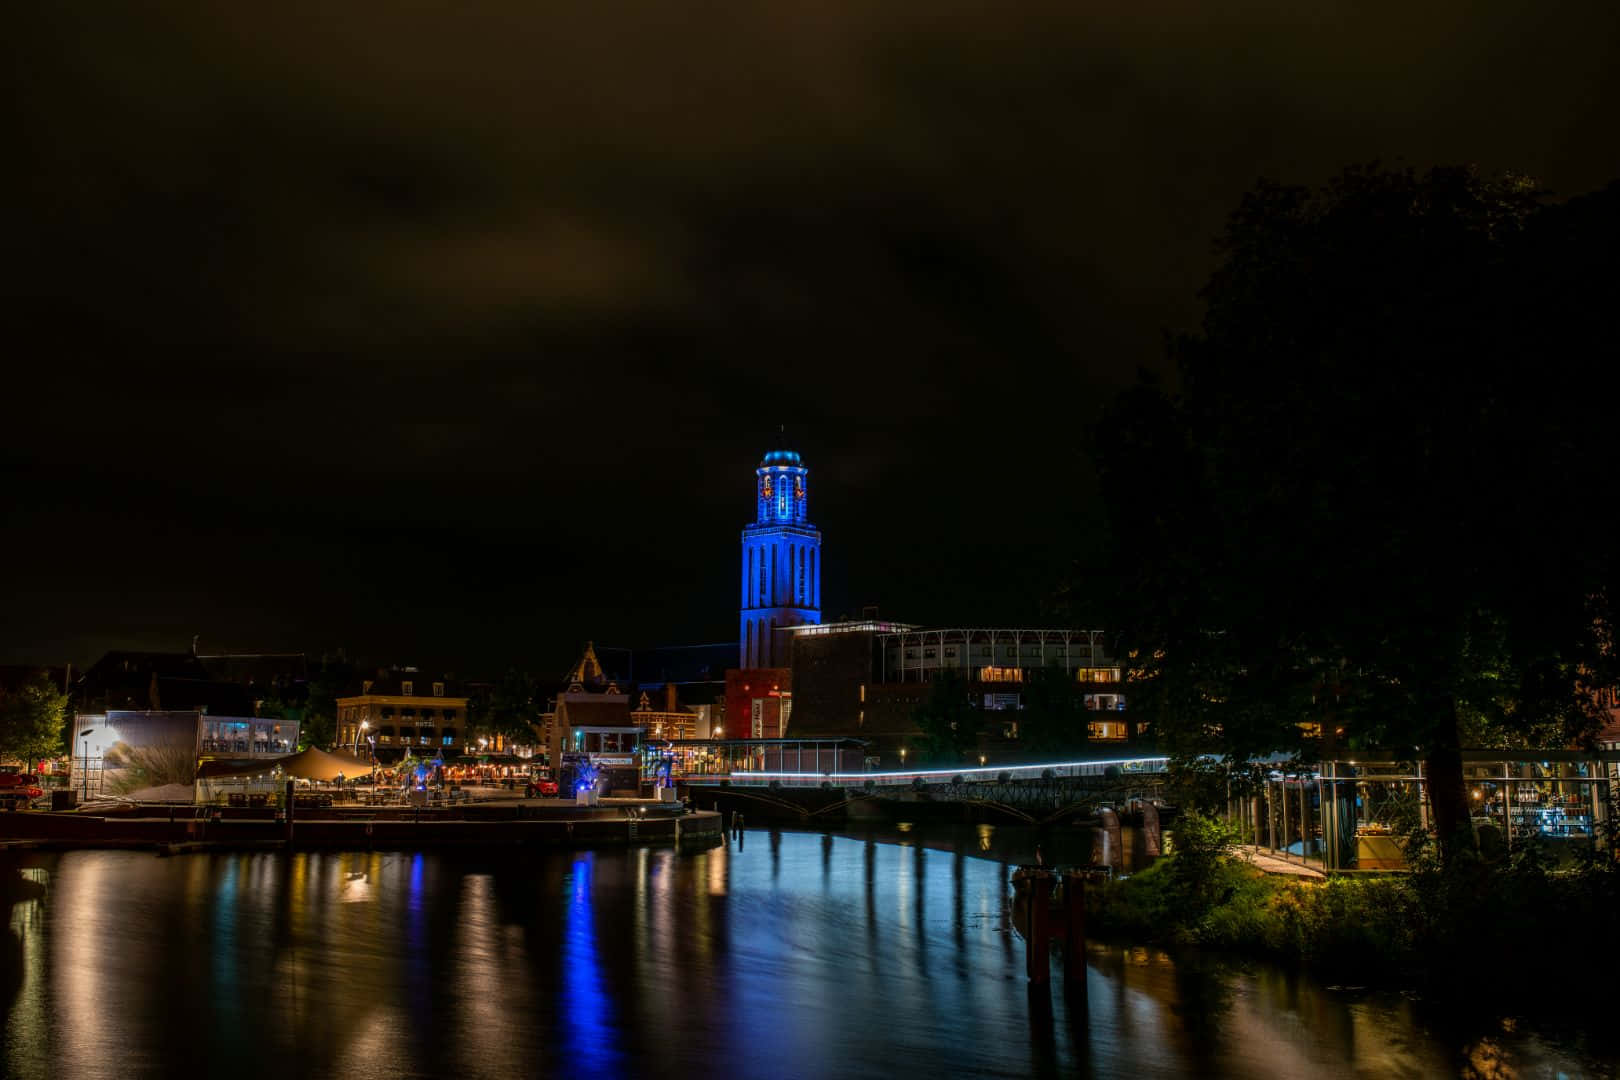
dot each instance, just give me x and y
(1034, 793)
(835, 762)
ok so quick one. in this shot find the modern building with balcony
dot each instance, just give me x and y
(866, 678)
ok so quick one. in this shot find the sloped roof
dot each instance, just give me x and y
(391, 684)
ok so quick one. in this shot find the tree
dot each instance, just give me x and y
(949, 721)
(508, 710)
(31, 720)
(1327, 524)
(331, 680)
(1054, 718)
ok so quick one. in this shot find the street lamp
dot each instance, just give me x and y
(902, 757)
(85, 735)
(365, 725)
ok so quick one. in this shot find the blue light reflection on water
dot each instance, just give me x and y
(798, 955)
(590, 1043)
(419, 963)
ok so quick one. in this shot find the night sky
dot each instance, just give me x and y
(451, 335)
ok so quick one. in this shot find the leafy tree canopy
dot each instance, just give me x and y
(1374, 502)
(1054, 718)
(508, 709)
(949, 721)
(32, 719)
(328, 682)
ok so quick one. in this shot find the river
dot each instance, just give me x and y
(780, 954)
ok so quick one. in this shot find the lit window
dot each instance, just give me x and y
(407, 688)
(438, 689)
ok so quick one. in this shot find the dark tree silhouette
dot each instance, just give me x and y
(948, 719)
(1374, 502)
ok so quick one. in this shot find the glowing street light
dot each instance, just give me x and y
(85, 735)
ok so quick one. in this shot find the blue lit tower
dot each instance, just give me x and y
(781, 560)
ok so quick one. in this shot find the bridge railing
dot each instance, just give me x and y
(980, 774)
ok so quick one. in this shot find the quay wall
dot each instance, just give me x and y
(326, 829)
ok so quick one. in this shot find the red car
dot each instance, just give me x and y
(19, 789)
(540, 787)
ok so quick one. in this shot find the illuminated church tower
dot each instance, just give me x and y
(781, 560)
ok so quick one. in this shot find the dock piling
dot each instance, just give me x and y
(1038, 944)
(287, 803)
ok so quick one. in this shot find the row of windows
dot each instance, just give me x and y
(407, 688)
(388, 712)
(425, 738)
(930, 652)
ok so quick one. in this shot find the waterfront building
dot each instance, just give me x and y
(781, 561)
(685, 687)
(666, 719)
(591, 724)
(401, 711)
(122, 750)
(759, 703)
(866, 678)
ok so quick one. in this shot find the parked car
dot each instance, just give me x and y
(19, 789)
(539, 786)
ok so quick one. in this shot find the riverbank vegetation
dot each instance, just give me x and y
(1518, 920)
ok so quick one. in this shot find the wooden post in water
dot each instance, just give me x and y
(1074, 931)
(1038, 945)
(287, 805)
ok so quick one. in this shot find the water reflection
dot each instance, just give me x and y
(798, 955)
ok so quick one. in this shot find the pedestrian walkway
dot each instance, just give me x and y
(1269, 861)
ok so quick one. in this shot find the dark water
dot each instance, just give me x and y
(795, 955)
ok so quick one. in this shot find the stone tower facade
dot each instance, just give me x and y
(781, 561)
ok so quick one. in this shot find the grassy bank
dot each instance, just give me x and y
(1435, 928)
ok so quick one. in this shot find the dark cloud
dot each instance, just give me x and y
(455, 333)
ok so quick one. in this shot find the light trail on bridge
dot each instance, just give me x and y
(982, 773)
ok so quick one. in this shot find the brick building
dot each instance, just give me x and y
(402, 711)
